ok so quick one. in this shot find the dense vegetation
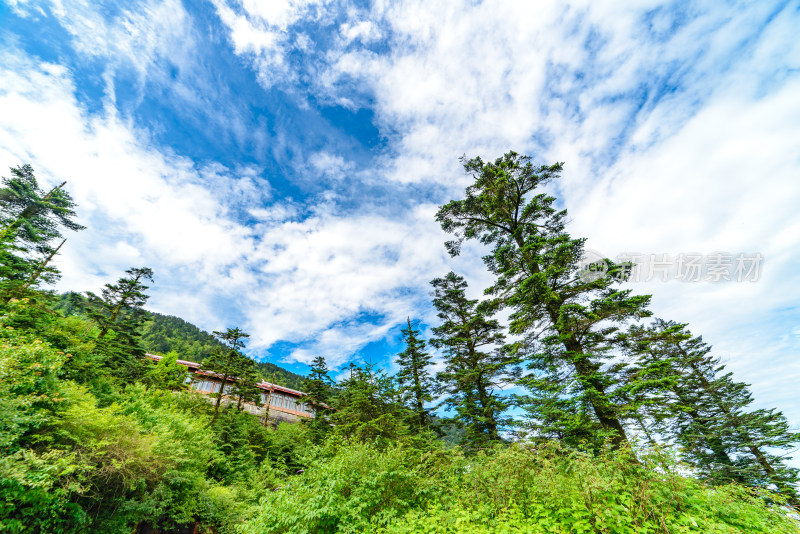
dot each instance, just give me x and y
(628, 424)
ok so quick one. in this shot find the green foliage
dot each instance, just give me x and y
(245, 388)
(361, 488)
(30, 220)
(227, 363)
(164, 333)
(353, 488)
(568, 319)
(691, 398)
(369, 408)
(119, 314)
(416, 383)
(317, 387)
(29, 371)
(71, 463)
(167, 373)
(477, 362)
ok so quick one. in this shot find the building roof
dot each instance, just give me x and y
(266, 386)
(156, 357)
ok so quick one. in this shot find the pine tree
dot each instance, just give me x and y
(30, 221)
(477, 362)
(31, 216)
(709, 413)
(415, 380)
(369, 407)
(119, 314)
(226, 363)
(538, 276)
(317, 394)
(245, 388)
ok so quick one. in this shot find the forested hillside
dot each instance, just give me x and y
(620, 423)
(161, 334)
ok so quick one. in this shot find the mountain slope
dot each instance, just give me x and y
(165, 333)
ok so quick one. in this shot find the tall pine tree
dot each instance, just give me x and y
(119, 314)
(317, 394)
(567, 318)
(31, 222)
(477, 363)
(415, 380)
(226, 363)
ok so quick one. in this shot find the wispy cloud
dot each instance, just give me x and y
(260, 31)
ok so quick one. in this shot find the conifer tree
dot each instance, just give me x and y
(709, 413)
(368, 406)
(477, 362)
(415, 380)
(226, 363)
(30, 222)
(32, 216)
(317, 394)
(119, 311)
(567, 319)
(245, 388)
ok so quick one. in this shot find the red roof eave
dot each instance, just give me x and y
(266, 386)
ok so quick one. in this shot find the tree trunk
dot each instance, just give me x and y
(583, 366)
(595, 391)
(488, 413)
(38, 272)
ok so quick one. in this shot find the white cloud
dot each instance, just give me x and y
(137, 36)
(363, 30)
(330, 166)
(724, 181)
(260, 31)
(138, 203)
(323, 272)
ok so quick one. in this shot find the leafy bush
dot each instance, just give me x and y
(359, 488)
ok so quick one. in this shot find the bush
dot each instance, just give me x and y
(359, 488)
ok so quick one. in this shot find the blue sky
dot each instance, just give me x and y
(278, 164)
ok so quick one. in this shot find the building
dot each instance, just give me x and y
(278, 403)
